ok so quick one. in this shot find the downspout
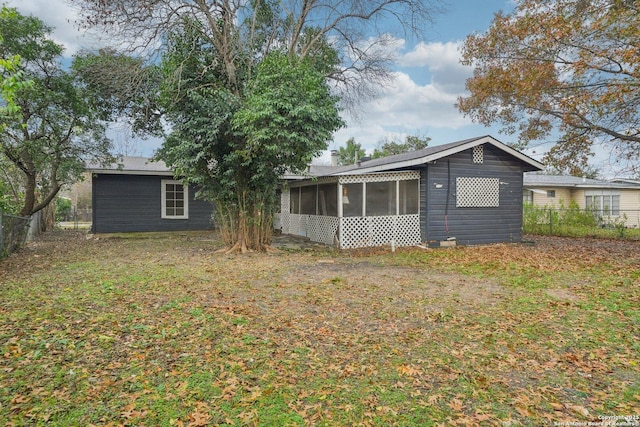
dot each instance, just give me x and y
(446, 206)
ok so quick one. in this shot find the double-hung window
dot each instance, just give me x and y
(604, 203)
(175, 200)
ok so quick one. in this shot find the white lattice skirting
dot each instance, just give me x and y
(359, 232)
(317, 228)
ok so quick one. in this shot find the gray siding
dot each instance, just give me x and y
(471, 225)
(129, 203)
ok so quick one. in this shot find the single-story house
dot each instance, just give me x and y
(608, 198)
(136, 194)
(466, 192)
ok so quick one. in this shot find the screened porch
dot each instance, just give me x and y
(354, 211)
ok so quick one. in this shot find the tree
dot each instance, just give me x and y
(122, 87)
(235, 148)
(53, 129)
(567, 67)
(247, 86)
(350, 153)
(390, 147)
(360, 32)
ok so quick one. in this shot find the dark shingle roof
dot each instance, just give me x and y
(415, 158)
(132, 166)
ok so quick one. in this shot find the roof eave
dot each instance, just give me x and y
(445, 153)
(128, 172)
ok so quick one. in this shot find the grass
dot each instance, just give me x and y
(160, 330)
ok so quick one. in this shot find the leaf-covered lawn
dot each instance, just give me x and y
(160, 330)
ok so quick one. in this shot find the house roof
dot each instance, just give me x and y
(144, 166)
(128, 165)
(415, 158)
(626, 181)
(568, 181)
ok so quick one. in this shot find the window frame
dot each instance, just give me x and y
(163, 201)
(602, 209)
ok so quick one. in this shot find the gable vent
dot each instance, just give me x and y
(478, 154)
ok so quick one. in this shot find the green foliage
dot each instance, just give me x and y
(234, 144)
(390, 147)
(55, 127)
(352, 151)
(287, 117)
(574, 222)
(63, 208)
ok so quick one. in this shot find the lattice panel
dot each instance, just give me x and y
(359, 232)
(474, 192)
(284, 210)
(298, 224)
(478, 154)
(322, 229)
(379, 177)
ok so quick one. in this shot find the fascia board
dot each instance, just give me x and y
(445, 153)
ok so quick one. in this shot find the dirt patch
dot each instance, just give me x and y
(563, 295)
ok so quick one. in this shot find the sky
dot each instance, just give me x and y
(428, 78)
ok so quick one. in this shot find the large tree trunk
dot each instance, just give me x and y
(245, 226)
(29, 195)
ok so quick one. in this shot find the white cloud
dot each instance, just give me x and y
(433, 55)
(59, 15)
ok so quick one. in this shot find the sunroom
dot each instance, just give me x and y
(353, 211)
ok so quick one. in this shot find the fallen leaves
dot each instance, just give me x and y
(112, 336)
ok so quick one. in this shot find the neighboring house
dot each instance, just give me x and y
(611, 199)
(466, 192)
(137, 194)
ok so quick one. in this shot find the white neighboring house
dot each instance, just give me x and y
(614, 199)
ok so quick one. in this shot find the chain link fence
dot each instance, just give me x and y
(576, 222)
(13, 232)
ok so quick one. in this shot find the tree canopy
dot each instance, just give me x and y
(350, 153)
(250, 89)
(53, 128)
(566, 70)
(234, 142)
(390, 146)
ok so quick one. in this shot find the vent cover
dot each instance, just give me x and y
(478, 154)
(473, 192)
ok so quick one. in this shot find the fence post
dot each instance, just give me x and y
(550, 222)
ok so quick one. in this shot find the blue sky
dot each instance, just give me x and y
(427, 79)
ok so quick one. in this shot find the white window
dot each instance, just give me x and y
(527, 197)
(604, 203)
(175, 199)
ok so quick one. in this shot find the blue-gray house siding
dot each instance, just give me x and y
(441, 219)
(470, 192)
(132, 203)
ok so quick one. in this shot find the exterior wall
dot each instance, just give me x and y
(630, 205)
(629, 200)
(471, 225)
(132, 203)
(563, 195)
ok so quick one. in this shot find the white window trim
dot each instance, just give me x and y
(163, 206)
(601, 194)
